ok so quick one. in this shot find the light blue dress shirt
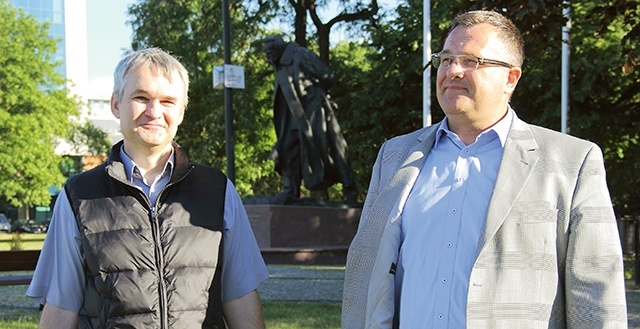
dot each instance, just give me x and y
(441, 225)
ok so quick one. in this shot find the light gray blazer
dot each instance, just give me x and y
(549, 255)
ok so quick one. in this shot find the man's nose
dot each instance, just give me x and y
(455, 69)
(154, 109)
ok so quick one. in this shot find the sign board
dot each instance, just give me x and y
(229, 76)
(233, 76)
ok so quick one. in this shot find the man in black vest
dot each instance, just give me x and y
(310, 145)
(149, 239)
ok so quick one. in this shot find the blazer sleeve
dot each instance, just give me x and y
(360, 259)
(595, 290)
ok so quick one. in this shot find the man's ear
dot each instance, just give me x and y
(115, 109)
(180, 117)
(512, 79)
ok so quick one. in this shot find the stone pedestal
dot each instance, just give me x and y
(303, 234)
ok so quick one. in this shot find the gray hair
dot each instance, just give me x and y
(507, 31)
(156, 58)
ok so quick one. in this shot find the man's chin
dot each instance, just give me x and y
(154, 142)
(455, 109)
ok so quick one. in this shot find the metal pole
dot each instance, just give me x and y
(566, 50)
(426, 74)
(228, 96)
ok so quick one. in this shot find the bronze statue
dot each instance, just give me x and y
(310, 145)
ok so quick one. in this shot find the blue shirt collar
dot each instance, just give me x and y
(131, 168)
(501, 128)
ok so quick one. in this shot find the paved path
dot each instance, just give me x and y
(287, 282)
(633, 305)
(303, 283)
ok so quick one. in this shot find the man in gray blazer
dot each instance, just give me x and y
(482, 220)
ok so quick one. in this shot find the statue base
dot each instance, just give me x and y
(302, 234)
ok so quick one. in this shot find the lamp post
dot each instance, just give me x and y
(426, 74)
(564, 98)
(228, 96)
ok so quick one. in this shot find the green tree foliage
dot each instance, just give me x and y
(89, 140)
(606, 94)
(35, 109)
(351, 12)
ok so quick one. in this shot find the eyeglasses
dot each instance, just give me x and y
(467, 62)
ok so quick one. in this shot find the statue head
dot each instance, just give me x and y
(273, 46)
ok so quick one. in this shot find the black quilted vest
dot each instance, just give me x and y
(150, 266)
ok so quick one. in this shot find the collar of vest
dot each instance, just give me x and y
(182, 165)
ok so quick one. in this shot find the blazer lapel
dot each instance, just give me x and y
(405, 176)
(402, 170)
(518, 162)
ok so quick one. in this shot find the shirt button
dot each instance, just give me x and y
(444, 280)
(449, 245)
(440, 316)
(453, 211)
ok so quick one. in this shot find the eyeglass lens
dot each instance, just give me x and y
(465, 61)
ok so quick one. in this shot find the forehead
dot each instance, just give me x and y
(150, 78)
(480, 40)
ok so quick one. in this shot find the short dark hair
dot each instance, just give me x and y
(507, 30)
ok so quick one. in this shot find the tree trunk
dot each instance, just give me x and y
(324, 29)
(300, 22)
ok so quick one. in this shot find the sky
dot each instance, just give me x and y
(109, 37)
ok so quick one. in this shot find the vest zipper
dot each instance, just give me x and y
(160, 268)
(160, 256)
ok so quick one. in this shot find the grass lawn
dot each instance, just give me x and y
(302, 315)
(25, 241)
(278, 314)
